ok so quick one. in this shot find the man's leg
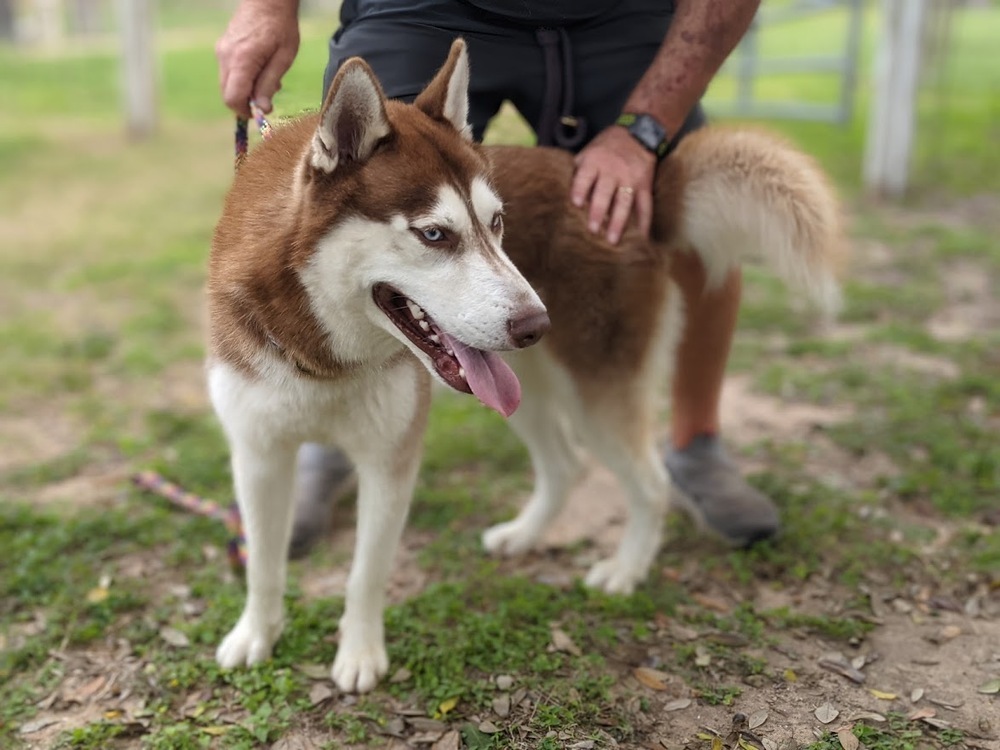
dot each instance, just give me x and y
(709, 482)
(322, 475)
(608, 55)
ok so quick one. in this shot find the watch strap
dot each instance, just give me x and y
(645, 129)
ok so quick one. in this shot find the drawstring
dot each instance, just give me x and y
(557, 125)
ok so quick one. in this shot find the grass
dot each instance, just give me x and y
(101, 270)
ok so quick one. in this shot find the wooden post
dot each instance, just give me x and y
(138, 66)
(7, 20)
(891, 123)
(50, 22)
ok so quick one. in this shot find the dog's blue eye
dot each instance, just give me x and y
(433, 234)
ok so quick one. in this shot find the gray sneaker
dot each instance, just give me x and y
(322, 475)
(711, 488)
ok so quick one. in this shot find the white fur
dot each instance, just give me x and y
(730, 217)
(456, 102)
(265, 421)
(556, 425)
(485, 201)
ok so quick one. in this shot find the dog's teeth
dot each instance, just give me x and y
(424, 325)
(435, 338)
(461, 372)
(415, 310)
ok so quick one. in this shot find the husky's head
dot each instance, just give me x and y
(412, 242)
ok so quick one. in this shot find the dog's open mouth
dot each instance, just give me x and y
(463, 367)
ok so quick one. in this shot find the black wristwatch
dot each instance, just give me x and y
(645, 129)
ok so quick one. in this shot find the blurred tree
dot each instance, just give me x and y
(6, 20)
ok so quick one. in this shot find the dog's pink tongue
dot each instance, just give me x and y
(489, 377)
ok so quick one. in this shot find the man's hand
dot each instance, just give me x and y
(615, 173)
(256, 50)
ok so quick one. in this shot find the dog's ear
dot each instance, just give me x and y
(447, 95)
(353, 118)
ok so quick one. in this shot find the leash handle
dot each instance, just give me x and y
(242, 138)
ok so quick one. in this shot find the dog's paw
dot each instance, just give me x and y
(509, 539)
(358, 669)
(247, 645)
(614, 577)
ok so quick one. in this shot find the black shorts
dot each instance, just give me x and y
(597, 61)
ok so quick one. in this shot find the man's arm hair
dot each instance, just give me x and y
(700, 38)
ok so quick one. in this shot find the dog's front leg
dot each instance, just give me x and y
(384, 492)
(263, 478)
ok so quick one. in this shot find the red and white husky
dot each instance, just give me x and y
(359, 253)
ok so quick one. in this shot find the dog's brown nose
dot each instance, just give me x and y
(527, 330)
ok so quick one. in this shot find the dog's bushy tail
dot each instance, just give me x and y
(747, 194)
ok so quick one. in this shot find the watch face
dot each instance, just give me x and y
(648, 131)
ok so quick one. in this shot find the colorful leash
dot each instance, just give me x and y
(242, 139)
(236, 547)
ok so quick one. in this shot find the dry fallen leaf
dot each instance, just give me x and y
(562, 642)
(916, 695)
(826, 713)
(424, 724)
(400, 675)
(952, 704)
(837, 663)
(314, 671)
(651, 678)
(174, 637)
(446, 706)
(98, 595)
(711, 602)
(38, 725)
(749, 742)
(870, 716)
(937, 723)
(449, 741)
(501, 706)
(921, 713)
(756, 719)
(882, 695)
(847, 739)
(319, 693)
(990, 688)
(701, 656)
(790, 675)
(677, 705)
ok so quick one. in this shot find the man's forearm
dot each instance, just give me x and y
(282, 7)
(701, 36)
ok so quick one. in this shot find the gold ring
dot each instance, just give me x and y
(627, 190)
